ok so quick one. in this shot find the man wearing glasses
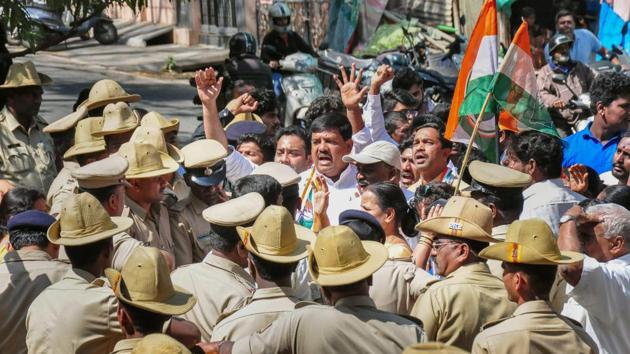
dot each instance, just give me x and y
(454, 309)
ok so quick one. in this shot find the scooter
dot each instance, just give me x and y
(581, 102)
(49, 27)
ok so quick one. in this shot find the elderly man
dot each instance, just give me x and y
(598, 285)
(446, 310)
(620, 163)
(27, 154)
(25, 273)
(342, 265)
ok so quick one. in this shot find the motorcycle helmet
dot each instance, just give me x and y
(280, 16)
(242, 43)
(558, 40)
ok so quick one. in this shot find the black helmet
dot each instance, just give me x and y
(558, 40)
(241, 43)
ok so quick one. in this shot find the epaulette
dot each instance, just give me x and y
(301, 304)
(180, 205)
(492, 323)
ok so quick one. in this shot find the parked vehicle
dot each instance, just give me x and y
(300, 85)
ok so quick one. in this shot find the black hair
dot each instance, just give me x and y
(16, 201)
(427, 118)
(446, 144)
(102, 194)
(272, 271)
(595, 185)
(407, 144)
(527, 11)
(295, 131)
(265, 144)
(457, 157)
(291, 198)
(405, 78)
(619, 194)
(607, 87)
(85, 255)
(543, 148)
(266, 101)
(391, 196)
(145, 321)
(541, 277)
(83, 95)
(392, 120)
(267, 186)
(28, 236)
(431, 192)
(563, 13)
(333, 121)
(441, 110)
(392, 97)
(223, 238)
(322, 105)
(505, 199)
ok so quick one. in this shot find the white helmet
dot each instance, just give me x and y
(280, 16)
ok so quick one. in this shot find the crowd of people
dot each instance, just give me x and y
(360, 230)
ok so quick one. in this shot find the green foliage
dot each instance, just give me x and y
(170, 64)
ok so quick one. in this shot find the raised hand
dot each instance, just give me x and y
(244, 103)
(320, 197)
(578, 178)
(351, 92)
(208, 86)
(383, 74)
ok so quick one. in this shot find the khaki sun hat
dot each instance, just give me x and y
(118, 118)
(145, 282)
(433, 348)
(146, 161)
(274, 236)
(285, 175)
(107, 172)
(530, 241)
(235, 212)
(158, 343)
(23, 75)
(378, 151)
(107, 91)
(67, 122)
(339, 257)
(155, 119)
(154, 136)
(464, 218)
(84, 140)
(84, 220)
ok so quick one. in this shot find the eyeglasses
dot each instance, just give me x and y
(439, 244)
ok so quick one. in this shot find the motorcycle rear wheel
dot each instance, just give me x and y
(105, 32)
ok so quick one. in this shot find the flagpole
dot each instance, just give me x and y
(470, 142)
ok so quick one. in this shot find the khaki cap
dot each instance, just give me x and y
(464, 218)
(107, 172)
(433, 348)
(145, 282)
(84, 140)
(118, 118)
(203, 153)
(285, 175)
(107, 91)
(158, 343)
(235, 212)
(84, 220)
(157, 120)
(154, 136)
(378, 151)
(146, 161)
(339, 257)
(498, 176)
(530, 242)
(67, 122)
(274, 236)
(23, 75)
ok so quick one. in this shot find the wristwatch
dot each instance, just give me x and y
(567, 218)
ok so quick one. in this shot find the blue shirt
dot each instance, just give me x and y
(582, 147)
(584, 45)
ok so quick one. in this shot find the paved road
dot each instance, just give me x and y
(172, 98)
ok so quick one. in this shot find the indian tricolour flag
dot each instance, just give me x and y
(477, 71)
(516, 91)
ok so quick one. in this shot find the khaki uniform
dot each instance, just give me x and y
(454, 309)
(75, 315)
(27, 158)
(498, 232)
(187, 226)
(152, 229)
(23, 276)
(397, 285)
(264, 307)
(125, 346)
(123, 246)
(353, 325)
(62, 186)
(534, 328)
(219, 285)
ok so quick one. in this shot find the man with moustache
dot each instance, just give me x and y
(620, 163)
(408, 168)
(431, 153)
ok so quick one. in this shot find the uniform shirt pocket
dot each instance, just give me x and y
(18, 159)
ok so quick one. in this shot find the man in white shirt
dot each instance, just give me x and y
(540, 156)
(620, 164)
(599, 287)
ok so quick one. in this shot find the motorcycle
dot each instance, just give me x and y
(581, 103)
(49, 27)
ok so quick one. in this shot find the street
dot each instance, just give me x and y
(172, 98)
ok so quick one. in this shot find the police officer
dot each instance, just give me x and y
(530, 259)
(119, 122)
